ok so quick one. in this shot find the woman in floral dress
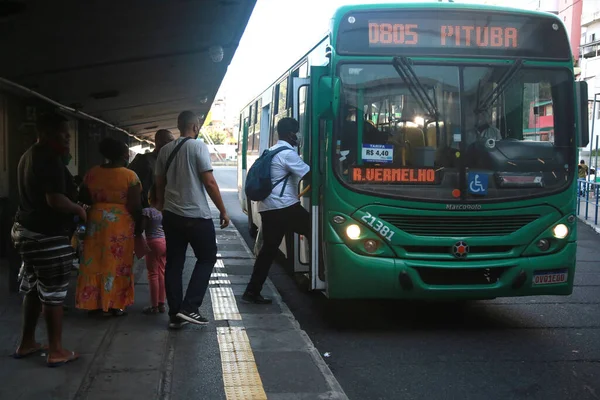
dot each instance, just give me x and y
(105, 280)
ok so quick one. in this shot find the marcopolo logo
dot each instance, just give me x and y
(463, 207)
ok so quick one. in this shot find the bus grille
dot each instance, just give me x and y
(447, 249)
(460, 276)
(450, 226)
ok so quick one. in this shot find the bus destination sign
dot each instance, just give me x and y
(394, 175)
(396, 33)
(452, 33)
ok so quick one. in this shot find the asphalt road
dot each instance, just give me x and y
(516, 348)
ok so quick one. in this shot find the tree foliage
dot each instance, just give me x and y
(216, 134)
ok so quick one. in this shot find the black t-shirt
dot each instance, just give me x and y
(143, 165)
(41, 171)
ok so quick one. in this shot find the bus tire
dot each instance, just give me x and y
(252, 229)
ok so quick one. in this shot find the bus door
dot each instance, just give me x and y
(243, 164)
(306, 254)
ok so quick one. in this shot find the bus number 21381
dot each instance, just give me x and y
(379, 226)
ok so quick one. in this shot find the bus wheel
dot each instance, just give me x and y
(252, 229)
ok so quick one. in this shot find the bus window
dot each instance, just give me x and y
(257, 112)
(282, 98)
(303, 123)
(276, 100)
(250, 131)
(538, 112)
(303, 71)
(394, 127)
(275, 136)
(418, 136)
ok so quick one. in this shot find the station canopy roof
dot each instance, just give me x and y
(134, 64)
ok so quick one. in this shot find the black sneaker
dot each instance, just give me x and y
(192, 317)
(255, 298)
(176, 322)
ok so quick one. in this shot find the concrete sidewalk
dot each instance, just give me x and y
(246, 352)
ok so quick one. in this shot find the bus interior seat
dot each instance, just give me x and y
(372, 135)
(432, 135)
(445, 154)
(413, 137)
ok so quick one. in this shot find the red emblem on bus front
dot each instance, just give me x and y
(460, 250)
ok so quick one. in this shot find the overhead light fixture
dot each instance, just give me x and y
(216, 53)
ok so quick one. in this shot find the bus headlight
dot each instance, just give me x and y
(370, 245)
(353, 231)
(560, 231)
(543, 244)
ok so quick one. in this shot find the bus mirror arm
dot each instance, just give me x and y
(583, 132)
(335, 96)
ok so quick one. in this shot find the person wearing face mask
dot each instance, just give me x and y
(183, 177)
(105, 283)
(281, 211)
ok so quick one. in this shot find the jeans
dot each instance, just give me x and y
(275, 224)
(200, 234)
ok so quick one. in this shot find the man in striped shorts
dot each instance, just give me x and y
(42, 231)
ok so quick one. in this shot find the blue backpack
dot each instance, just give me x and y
(258, 181)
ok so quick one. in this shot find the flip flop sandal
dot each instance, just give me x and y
(72, 357)
(31, 352)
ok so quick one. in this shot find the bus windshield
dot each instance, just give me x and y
(455, 133)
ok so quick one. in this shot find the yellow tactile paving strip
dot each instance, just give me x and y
(240, 374)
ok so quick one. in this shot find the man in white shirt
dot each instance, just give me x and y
(181, 189)
(281, 212)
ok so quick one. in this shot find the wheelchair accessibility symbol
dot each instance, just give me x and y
(478, 183)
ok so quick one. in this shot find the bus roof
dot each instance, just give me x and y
(436, 6)
(518, 33)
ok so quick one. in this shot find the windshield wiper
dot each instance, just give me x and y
(402, 65)
(501, 86)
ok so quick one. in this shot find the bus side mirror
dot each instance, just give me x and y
(329, 95)
(583, 133)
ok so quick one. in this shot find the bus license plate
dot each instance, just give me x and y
(550, 277)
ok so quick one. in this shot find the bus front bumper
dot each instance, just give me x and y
(350, 275)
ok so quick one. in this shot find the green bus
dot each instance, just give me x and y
(437, 174)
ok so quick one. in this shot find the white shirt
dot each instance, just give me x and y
(285, 162)
(184, 193)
